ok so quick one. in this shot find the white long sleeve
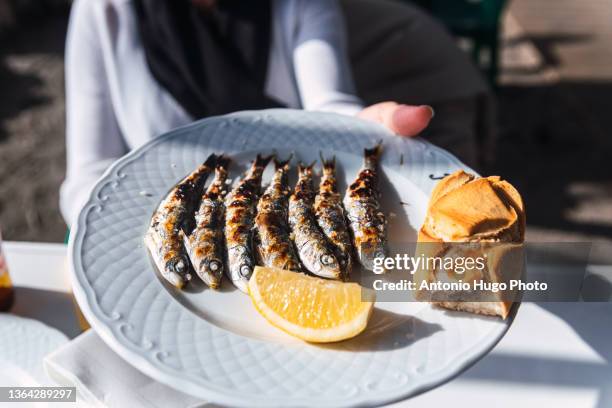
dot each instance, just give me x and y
(93, 138)
(320, 59)
(114, 104)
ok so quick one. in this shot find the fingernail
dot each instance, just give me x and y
(433, 113)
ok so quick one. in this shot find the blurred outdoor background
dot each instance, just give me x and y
(554, 87)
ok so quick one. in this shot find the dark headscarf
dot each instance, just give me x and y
(211, 61)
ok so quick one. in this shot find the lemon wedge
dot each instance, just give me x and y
(312, 309)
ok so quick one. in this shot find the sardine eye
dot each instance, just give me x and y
(328, 259)
(245, 271)
(180, 266)
(214, 266)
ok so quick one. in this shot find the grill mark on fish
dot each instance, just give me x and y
(241, 208)
(274, 245)
(367, 222)
(315, 251)
(174, 214)
(331, 217)
(205, 245)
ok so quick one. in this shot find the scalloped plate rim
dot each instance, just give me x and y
(212, 392)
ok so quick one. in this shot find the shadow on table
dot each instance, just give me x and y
(55, 309)
(586, 321)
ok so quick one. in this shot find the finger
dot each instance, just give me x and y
(375, 112)
(407, 120)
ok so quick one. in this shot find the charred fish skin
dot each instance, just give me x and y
(205, 245)
(367, 222)
(274, 246)
(315, 251)
(331, 217)
(240, 212)
(173, 215)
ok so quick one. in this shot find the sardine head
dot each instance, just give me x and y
(246, 271)
(241, 275)
(177, 271)
(211, 272)
(329, 267)
(175, 279)
(368, 253)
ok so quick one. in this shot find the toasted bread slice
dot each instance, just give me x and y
(464, 208)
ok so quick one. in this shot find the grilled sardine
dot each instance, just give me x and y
(241, 208)
(205, 245)
(331, 218)
(174, 215)
(366, 220)
(315, 251)
(273, 244)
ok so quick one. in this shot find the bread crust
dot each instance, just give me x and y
(465, 208)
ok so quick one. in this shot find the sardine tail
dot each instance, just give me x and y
(306, 168)
(262, 161)
(211, 161)
(282, 163)
(328, 164)
(373, 153)
(223, 162)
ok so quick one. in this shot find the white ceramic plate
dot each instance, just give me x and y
(24, 343)
(213, 344)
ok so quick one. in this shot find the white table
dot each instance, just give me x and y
(42, 286)
(554, 355)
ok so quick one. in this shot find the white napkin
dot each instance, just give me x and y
(105, 380)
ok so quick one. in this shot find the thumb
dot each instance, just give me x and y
(407, 120)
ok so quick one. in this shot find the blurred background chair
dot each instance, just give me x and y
(477, 21)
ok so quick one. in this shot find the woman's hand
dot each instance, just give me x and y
(404, 120)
